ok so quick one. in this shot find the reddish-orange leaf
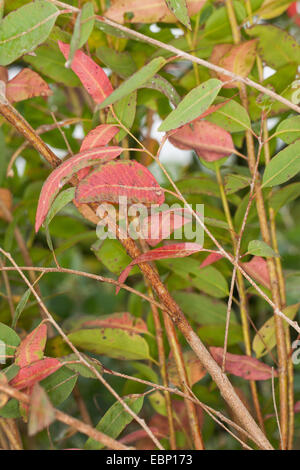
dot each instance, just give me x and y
(92, 76)
(62, 174)
(258, 269)
(209, 141)
(98, 137)
(210, 259)
(243, 366)
(123, 178)
(30, 375)
(194, 369)
(3, 74)
(147, 11)
(7, 199)
(123, 320)
(32, 347)
(27, 84)
(176, 250)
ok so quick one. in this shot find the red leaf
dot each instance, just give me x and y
(209, 141)
(176, 250)
(243, 366)
(62, 174)
(210, 259)
(29, 375)
(92, 76)
(98, 137)
(123, 320)
(292, 12)
(124, 178)
(258, 269)
(157, 227)
(27, 84)
(32, 347)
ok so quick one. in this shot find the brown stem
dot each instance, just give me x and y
(176, 314)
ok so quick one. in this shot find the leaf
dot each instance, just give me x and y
(60, 202)
(90, 74)
(9, 339)
(175, 250)
(179, 9)
(125, 112)
(87, 22)
(284, 196)
(113, 255)
(50, 62)
(59, 385)
(265, 338)
(72, 362)
(210, 259)
(213, 334)
(41, 412)
(158, 402)
(209, 141)
(63, 173)
(148, 11)
(124, 320)
(201, 308)
(6, 199)
(289, 130)
(272, 8)
(111, 342)
(193, 105)
(159, 83)
(115, 420)
(22, 30)
(121, 63)
(246, 367)
(283, 166)
(134, 82)
(27, 84)
(257, 268)
(194, 369)
(124, 178)
(260, 248)
(35, 372)
(32, 347)
(239, 60)
(160, 225)
(231, 116)
(234, 183)
(284, 48)
(20, 307)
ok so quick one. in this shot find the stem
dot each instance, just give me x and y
(242, 295)
(263, 221)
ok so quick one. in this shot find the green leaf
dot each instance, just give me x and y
(161, 84)
(213, 334)
(125, 111)
(60, 202)
(10, 339)
(232, 117)
(193, 104)
(265, 338)
(121, 63)
(112, 254)
(158, 402)
(234, 183)
(22, 30)
(179, 9)
(283, 166)
(20, 307)
(87, 22)
(111, 342)
(289, 130)
(80, 368)
(284, 196)
(49, 61)
(260, 248)
(115, 420)
(134, 82)
(59, 385)
(275, 46)
(201, 308)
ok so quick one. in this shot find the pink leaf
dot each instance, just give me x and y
(243, 366)
(123, 320)
(29, 375)
(27, 84)
(123, 178)
(176, 250)
(258, 269)
(92, 76)
(210, 259)
(32, 347)
(98, 137)
(63, 173)
(209, 141)
(158, 226)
